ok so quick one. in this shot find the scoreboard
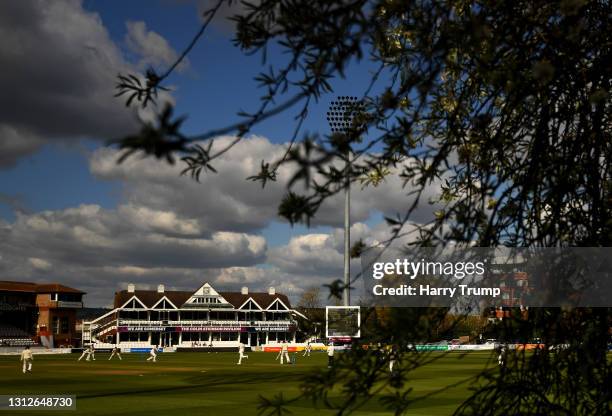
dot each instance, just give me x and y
(342, 322)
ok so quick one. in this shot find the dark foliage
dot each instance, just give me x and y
(505, 106)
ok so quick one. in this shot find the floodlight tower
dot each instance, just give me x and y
(342, 119)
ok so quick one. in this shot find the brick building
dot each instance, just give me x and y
(40, 312)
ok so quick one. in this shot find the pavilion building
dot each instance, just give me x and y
(204, 318)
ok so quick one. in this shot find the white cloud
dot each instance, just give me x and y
(39, 263)
(220, 202)
(166, 222)
(227, 201)
(100, 251)
(152, 48)
(92, 236)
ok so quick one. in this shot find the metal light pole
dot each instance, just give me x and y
(341, 119)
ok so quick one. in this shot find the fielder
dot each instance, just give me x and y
(153, 354)
(501, 358)
(27, 358)
(92, 353)
(241, 354)
(283, 353)
(86, 352)
(307, 350)
(330, 355)
(116, 351)
(393, 356)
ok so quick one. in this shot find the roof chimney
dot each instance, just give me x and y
(160, 288)
(131, 288)
(244, 290)
(271, 291)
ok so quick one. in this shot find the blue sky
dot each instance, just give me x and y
(58, 182)
(218, 83)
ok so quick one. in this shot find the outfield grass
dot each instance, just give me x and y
(212, 384)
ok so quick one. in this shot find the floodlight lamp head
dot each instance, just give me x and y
(343, 115)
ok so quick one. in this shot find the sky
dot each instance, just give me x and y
(69, 213)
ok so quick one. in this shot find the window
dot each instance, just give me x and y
(134, 304)
(65, 325)
(277, 306)
(68, 297)
(56, 325)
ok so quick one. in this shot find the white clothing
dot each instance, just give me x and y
(152, 355)
(117, 352)
(27, 357)
(241, 354)
(284, 353)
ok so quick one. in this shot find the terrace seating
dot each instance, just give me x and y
(16, 342)
(14, 337)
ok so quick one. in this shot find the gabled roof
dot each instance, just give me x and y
(207, 291)
(29, 287)
(278, 301)
(250, 300)
(164, 298)
(236, 299)
(151, 297)
(134, 300)
(263, 299)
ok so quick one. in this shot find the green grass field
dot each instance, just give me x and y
(211, 383)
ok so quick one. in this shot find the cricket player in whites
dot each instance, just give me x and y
(92, 353)
(501, 358)
(86, 352)
(283, 353)
(116, 351)
(27, 358)
(307, 350)
(393, 357)
(241, 354)
(153, 354)
(330, 355)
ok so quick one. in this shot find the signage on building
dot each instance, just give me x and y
(141, 329)
(272, 328)
(211, 329)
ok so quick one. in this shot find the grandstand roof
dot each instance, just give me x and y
(29, 287)
(178, 298)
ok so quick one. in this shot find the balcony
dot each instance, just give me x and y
(267, 324)
(67, 304)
